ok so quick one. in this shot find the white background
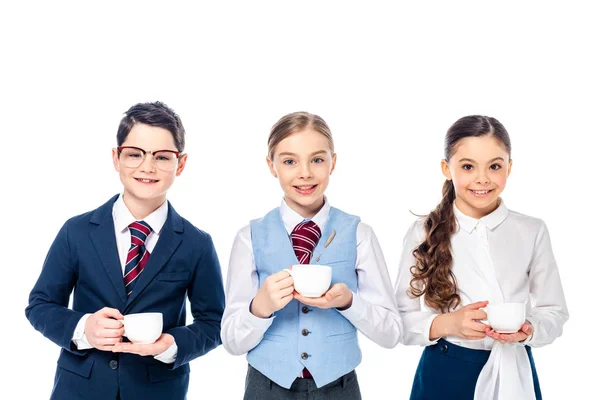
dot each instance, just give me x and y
(388, 78)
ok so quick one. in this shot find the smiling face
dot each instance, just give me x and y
(478, 168)
(303, 162)
(147, 184)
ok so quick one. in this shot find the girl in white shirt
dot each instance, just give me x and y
(299, 346)
(469, 252)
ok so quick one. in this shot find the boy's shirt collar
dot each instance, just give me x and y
(123, 217)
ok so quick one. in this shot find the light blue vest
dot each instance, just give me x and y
(330, 349)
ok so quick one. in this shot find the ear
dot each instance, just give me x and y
(271, 167)
(446, 169)
(115, 157)
(181, 164)
(333, 161)
(509, 168)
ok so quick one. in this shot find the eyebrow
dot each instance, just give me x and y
(475, 162)
(294, 154)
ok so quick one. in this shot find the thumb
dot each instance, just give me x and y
(476, 305)
(111, 313)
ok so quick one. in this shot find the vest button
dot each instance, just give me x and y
(304, 332)
(444, 348)
(304, 356)
(113, 364)
(305, 310)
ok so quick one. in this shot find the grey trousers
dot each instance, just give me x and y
(259, 387)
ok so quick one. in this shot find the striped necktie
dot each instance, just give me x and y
(137, 257)
(304, 239)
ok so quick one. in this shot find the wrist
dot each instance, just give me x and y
(257, 310)
(439, 327)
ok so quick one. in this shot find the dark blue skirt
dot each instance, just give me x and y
(449, 372)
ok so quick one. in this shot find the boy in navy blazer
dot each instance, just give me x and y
(134, 254)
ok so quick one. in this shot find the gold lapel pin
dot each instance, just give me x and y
(330, 238)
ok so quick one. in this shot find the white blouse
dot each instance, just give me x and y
(504, 250)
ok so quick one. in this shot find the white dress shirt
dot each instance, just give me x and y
(502, 257)
(372, 312)
(517, 249)
(122, 218)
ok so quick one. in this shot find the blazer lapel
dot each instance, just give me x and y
(105, 243)
(169, 240)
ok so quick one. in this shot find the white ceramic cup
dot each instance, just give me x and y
(310, 280)
(143, 328)
(506, 317)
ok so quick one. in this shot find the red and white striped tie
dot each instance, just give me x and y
(138, 255)
(305, 237)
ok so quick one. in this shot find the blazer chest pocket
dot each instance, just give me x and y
(173, 276)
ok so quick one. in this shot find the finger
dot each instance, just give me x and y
(285, 283)
(311, 301)
(113, 333)
(278, 276)
(478, 326)
(111, 313)
(527, 328)
(286, 291)
(476, 305)
(109, 323)
(109, 341)
(477, 314)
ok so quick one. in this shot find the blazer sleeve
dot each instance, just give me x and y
(48, 310)
(207, 300)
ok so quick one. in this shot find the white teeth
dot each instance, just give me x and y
(147, 180)
(305, 187)
(480, 191)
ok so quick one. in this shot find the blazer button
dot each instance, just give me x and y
(444, 348)
(305, 310)
(113, 364)
(304, 332)
(304, 356)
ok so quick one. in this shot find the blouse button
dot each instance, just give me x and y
(304, 356)
(305, 310)
(304, 332)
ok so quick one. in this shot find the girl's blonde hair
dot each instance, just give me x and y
(296, 122)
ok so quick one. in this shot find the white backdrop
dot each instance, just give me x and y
(388, 78)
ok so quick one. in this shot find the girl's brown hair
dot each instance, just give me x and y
(296, 122)
(432, 274)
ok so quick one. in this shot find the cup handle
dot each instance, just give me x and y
(289, 271)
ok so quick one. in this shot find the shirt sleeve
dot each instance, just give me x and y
(547, 311)
(241, 330)
(416, 318)
(373, 311)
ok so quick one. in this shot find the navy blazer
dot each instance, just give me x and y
(84, 260)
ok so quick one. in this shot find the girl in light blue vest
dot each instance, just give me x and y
(299, 347)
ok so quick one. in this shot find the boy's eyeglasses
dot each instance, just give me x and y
(133, 157)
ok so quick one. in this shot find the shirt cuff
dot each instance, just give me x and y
(79, 338)
(427, 330)
(357, 311)
(530, 337)
(169, 355)
(256, 323)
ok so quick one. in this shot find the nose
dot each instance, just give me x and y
(148, 163)
(482, 177)
(304, 171)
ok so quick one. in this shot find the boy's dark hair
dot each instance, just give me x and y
(153, 114)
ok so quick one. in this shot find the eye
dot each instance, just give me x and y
(467, 167)
(495, 167)
(288, 162)
(318, 160)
